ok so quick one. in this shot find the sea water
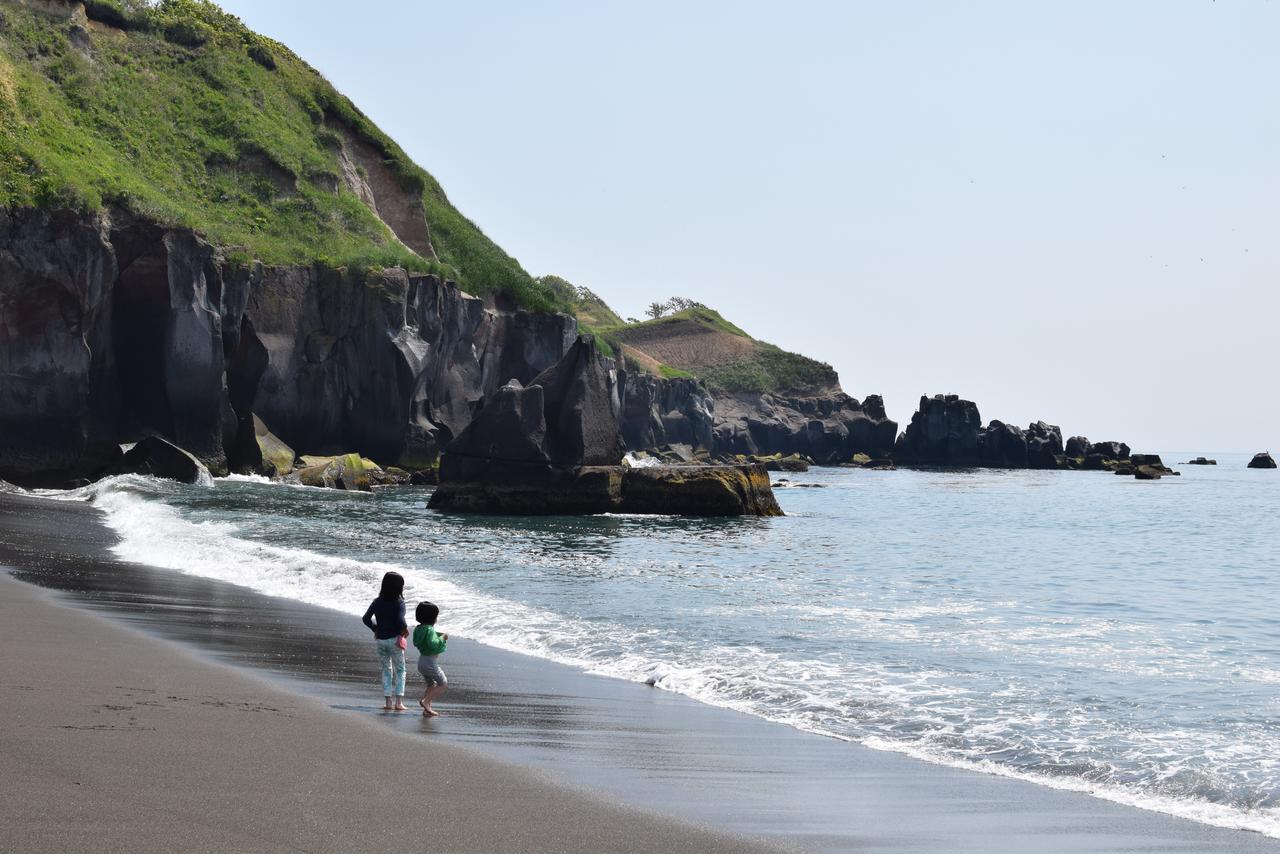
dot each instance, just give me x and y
(1076, 629)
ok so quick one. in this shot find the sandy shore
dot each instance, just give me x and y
(201, 750)
(115, 740)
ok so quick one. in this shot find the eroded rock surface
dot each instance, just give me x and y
(155, 457)
(658, 412)
(830, 429)
(113, 329)
(944, 431)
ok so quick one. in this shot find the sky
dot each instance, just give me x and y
(1062, 211)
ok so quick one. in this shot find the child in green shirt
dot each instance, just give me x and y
(430, 644)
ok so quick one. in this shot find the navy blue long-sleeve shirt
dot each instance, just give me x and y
(386, 618)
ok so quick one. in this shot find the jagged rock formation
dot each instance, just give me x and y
(555, 447)
(658, 412)
(947, 431)
(1077, 446)
(944, 431)
(389, 364)
(1044, 446)
(566, 418)
(1003, 446)
(830, 428)
(113, 329)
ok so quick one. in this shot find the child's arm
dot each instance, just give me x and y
(368, 617)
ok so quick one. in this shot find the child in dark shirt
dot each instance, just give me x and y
(386, 618)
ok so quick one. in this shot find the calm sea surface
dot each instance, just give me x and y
(1077, 629)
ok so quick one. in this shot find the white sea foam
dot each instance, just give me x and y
(818, 695)
(248, 478)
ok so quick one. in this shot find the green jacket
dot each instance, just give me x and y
(428, 640)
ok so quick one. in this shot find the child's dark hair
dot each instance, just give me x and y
(392, 586)
(427, 614)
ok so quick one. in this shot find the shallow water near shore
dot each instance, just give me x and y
(1077, 629)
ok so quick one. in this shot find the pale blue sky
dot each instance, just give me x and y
(1062, 211)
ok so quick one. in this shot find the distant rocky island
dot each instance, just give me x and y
(211, 260)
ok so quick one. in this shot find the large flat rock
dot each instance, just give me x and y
(588, 490)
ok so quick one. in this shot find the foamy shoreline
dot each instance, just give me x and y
(640, 740)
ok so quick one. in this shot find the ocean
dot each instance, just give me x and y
(1074, 629)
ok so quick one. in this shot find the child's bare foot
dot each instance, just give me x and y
(400, 707)
(428, 712)
(387, 707)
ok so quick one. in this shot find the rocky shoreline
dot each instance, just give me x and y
(117, 332)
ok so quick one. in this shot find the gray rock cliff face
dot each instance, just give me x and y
(389, 363)
(566, 418)
(945, 431)
(658, 412)
(113, 329)
(1044, 445)
(1002, 445)
(829, 428)
(58, 399)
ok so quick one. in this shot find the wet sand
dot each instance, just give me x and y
(622, 741)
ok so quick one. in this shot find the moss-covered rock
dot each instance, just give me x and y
(699, 491)
(277, 457)
(342, 472)
(654, 490)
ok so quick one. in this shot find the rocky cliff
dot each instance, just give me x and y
(113, 328)
(947, 430)
(830, 427)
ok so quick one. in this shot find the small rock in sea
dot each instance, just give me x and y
(1200, 461)
(158, 458)
(1262, 460)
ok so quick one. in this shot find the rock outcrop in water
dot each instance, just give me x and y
(1044, 446)
(555, 447)
(155, 457)
(947, 431)
(1002, 446)
(1262, 460)
(944, 431)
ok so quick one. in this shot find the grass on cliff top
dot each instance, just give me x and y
(774, 370)
(180, 113)
(591, 311)
(764, 368)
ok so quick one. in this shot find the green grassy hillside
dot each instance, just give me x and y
(698, 342)
(180, 113)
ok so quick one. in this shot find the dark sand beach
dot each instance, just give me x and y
(144, 708)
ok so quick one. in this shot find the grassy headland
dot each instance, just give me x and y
(181, 114)
(699, 343)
